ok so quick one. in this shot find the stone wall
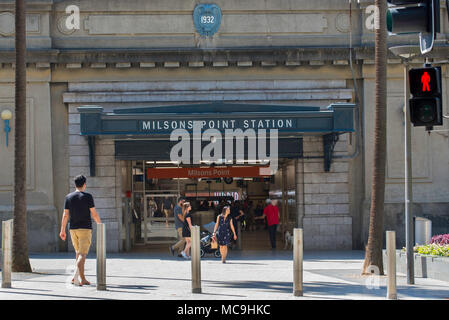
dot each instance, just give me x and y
(41, 212)
(105, 186)
(327, 221)
(147, 64)
(430, 152)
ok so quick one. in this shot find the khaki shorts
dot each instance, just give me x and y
(81, 239)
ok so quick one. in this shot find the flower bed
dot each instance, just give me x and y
(426, 265)
(431, 260)
(442, 239)
(439, 246)
(433, 249)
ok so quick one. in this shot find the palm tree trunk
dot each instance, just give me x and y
(21, 262)
(373, 256)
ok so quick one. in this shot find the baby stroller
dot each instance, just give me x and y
(206, 241)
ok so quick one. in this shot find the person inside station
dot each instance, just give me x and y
(271, 214)
(237, 215)
(152, 207)
(204, 206)
(249, 217)
(167, 209)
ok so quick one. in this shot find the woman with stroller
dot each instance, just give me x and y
(186, 229)
(224, 225)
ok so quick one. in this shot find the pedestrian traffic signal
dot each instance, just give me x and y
(411, 16)
(426, 108)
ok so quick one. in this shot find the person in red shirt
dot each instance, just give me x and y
(271, 213)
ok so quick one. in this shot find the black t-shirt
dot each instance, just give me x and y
(167, 204)
(235, 212)
(79, 204)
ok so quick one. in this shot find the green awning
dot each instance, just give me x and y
(161, 121)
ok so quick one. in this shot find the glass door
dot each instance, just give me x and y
(158, 223)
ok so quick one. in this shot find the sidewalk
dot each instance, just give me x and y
(255, 275)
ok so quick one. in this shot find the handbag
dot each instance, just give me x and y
(214, 244)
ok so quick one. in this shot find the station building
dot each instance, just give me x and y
(104, 98)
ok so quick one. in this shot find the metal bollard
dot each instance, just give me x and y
(391, 265)
(196, 260)
(7, 230)
(298, 248)
(101, 257)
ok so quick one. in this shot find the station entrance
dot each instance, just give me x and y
(144, 138)
(155, 187)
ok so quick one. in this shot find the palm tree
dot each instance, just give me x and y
(373, 255)
(21, 262)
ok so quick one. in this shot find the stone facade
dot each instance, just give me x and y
(105, 186)
(108, 194)
(327, 220)
(278, 52)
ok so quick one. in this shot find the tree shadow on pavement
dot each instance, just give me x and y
(359, 291)
(117, 288)
(53, 296)
(262, 285)
(222, 294)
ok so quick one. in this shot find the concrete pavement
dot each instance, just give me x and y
(255, 275)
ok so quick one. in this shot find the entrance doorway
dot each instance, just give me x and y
(158, 225)
(155, 189)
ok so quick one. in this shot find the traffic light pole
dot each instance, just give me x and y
(409, 237)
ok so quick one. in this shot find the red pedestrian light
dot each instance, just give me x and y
(426, 102)
(425, 80)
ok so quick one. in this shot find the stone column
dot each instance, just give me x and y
(327, 219)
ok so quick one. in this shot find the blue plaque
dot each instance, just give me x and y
(207, 19)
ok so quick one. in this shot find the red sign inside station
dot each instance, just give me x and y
(209, 172)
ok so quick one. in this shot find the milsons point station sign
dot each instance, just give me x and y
(219, 124)
(147, 133)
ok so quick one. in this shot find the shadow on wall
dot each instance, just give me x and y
(394, 218)
(438, 213)
(42, 229)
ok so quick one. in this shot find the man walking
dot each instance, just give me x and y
(179, 223)
(79, 208)
(271, 212)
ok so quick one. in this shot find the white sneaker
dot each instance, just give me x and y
(184, 255)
